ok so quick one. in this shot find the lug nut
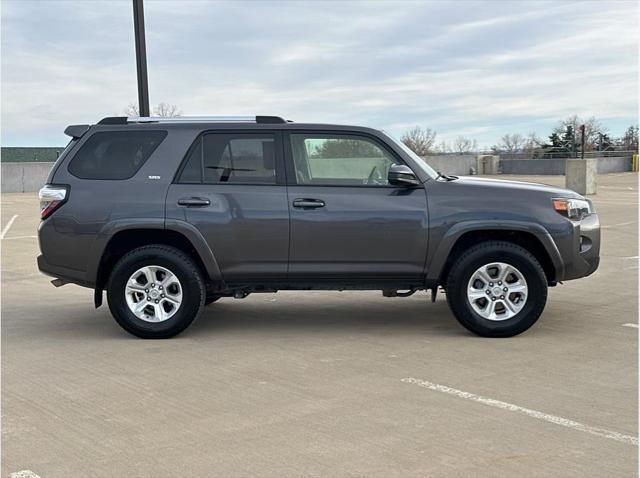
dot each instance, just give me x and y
(502, 296)
(153, 285)
(499, 282)
(493, 298)
(488, 291)
(156, 301)
(149, 299)
(146, 290)
(491, 284)
(160, 287)
(162, 296)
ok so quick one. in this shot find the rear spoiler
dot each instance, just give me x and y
(76, 130)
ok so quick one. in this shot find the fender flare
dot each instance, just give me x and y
(189, 231)
(437, 259)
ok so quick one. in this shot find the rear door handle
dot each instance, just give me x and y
(308, 203)
(193, 202)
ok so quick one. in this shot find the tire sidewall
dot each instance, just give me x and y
(192, 293)
(525, 318)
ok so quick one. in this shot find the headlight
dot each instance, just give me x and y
(574, 209)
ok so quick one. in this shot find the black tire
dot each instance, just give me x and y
(176, 261)
(211, 299)
(496, 251)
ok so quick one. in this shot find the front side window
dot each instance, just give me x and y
(231, 158)
(114, 154)
(340, 160)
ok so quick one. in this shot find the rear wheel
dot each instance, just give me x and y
(155, 292)
(497, 289)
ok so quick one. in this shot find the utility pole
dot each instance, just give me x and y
(141, 58)
(582, 142)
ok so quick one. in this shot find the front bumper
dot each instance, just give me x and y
(582, 254)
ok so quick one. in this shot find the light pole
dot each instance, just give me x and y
(141, 58)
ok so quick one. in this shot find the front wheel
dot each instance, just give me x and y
(497, 289)
(155, 292)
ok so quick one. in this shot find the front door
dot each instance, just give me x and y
(231, 188)
(347, 221)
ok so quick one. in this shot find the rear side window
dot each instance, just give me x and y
(235, 158)
(114, 154)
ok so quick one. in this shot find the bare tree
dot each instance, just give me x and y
(132, 110)
(420, 140)
(162, 109)
(166, 110)
(532, 142)
(464, 145)
(510, 143)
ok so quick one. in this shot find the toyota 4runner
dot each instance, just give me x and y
(168, 215)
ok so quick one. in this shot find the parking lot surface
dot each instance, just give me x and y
(323, 383)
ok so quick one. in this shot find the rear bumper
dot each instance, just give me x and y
(64, 273)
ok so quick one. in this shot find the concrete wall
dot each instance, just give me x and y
(341, 168)
(558, 166)
(458, 164)
(24, 177)
(533, 166)
(613, 165)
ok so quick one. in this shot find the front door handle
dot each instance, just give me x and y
(193, 202)
(308, 203)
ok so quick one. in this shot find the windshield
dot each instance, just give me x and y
(418, 160)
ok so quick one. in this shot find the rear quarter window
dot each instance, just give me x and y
(114, 154)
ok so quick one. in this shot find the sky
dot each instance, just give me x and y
(477, 69)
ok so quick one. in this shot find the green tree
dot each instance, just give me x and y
(555, 141)
(604, 142)
(346, 148)
(629, 142)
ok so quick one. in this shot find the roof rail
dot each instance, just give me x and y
(192, 119)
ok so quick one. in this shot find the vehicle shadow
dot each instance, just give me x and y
(388, 316)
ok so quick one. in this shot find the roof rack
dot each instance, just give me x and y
(192, 119)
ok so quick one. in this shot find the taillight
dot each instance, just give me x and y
(52, 196)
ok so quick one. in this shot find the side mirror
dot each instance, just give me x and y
(401, 175)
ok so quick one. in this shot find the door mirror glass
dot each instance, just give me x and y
(401, 175)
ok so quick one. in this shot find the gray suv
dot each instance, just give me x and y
(170, 215)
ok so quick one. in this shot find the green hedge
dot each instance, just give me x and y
(24, 154)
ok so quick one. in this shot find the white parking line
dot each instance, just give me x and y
(635, 326)
(618, 225)
(24, 474)
(8, 226)
(18, 237)
(631, 440)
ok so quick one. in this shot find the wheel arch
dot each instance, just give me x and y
(116, 239)
(461, 236)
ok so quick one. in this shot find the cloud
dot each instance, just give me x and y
(479, 69)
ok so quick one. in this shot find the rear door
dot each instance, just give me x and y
(231, 187)
(347, 221)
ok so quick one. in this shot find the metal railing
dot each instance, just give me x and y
(542, 154)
